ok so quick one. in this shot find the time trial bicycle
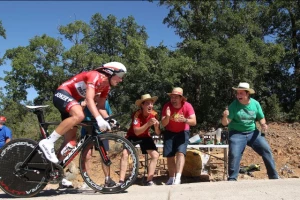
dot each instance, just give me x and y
(25, 171)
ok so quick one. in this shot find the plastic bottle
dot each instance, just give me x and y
(218, 136)
(68, 148)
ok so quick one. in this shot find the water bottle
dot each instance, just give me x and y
(68, 148)
(218, 136)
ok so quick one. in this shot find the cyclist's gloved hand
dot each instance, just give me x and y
(103, 125)
(113, 123)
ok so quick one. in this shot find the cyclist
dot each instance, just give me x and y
(66, 97)
(5, 132)
(142, 120)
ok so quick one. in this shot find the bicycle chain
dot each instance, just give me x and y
(54, 173)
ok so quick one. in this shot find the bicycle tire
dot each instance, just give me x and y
(94, 175)
(24, 183)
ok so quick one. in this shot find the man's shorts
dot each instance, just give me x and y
(146, 143)
(63, 101)
(175, 142)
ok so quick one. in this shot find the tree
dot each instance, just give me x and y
(225, 40)
(123, 41)
(2, 33)
(285, 26)
(79, 57)
(2, 30)
(37, 65)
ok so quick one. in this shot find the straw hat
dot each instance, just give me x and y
(178, 91)
(244, 86)
(145, 97)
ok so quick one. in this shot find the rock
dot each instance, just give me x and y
(72, 168)
(193, 163)
(294, 176)
(70, 176)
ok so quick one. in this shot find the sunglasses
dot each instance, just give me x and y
(120, 74)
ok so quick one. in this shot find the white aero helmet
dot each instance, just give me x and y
(113, 68)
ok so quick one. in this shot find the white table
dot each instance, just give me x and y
(208, 146)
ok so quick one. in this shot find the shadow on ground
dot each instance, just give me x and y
(161, 180)
(52, 193)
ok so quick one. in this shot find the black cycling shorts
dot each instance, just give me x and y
(63, 101)
(146, 143)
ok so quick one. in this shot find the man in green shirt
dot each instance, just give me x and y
(240, 117)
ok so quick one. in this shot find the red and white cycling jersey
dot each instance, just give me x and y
(78, 84)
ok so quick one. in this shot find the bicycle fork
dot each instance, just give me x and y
(103, 153)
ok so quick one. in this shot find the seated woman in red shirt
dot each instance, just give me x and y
(142, 120)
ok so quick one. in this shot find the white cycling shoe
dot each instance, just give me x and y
(48, 148)
(65, 184)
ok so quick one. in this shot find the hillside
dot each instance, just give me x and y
(284, 140)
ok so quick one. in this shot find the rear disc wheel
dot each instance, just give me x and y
(17, 181)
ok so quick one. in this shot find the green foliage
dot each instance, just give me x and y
(75, 31)
(295, 113)
(2, 31)
(24, 124)
(79, 57)
(19, 120)
(36, 66)
(285, 24)
(227, 41)
(271, 108)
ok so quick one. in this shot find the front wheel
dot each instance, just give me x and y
(20, 181)
(124, 163)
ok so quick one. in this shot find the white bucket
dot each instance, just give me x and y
(195, 139)
(205, 161)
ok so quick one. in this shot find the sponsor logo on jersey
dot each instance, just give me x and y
(81, 88)
(63, 97)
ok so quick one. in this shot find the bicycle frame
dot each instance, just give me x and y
(91, 135)
(80, 145)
